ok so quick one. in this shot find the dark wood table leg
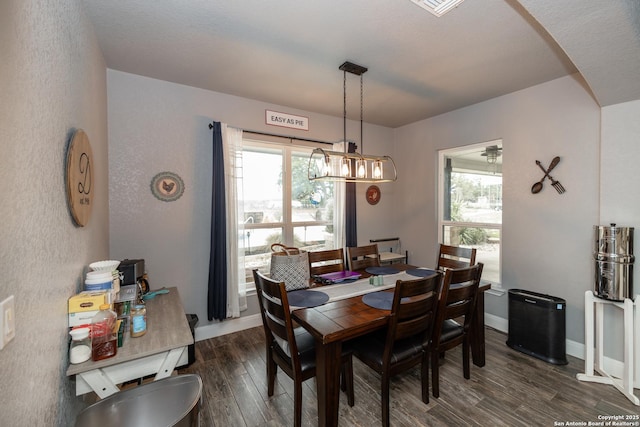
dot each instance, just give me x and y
(328, 381)
(477, 333)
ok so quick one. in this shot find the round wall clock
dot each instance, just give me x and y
(167, 186)
(373, 194)
(79, 178)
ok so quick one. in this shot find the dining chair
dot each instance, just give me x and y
(329, 261)
(455, 257)
(457, 300)
(292, 349)
(361, 257)
(405, 343)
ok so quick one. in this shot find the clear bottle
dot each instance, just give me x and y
(80, 349)
(104, 340)
(138, 321)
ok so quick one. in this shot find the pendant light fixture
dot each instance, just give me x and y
(492, 153)
(351, 167)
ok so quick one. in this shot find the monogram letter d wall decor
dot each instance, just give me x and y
(80, 178)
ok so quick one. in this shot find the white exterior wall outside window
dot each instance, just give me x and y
(470, 204)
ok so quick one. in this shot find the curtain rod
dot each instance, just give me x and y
(281, 136)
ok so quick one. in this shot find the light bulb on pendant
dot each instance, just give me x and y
(376, 169)
(326, 166)
(346, 167)
(361, 168)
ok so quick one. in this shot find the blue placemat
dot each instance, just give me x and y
(421, 272)
(382, 300)
(307, 298)
(381, 270)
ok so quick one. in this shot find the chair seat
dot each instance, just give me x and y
(450, 330)
(306, 348)
(371, 348)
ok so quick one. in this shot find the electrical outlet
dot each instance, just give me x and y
(7, 321)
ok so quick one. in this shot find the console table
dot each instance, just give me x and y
(159, 351)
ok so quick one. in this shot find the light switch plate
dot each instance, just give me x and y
(7, 321)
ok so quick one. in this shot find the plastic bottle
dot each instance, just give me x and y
(104, 340)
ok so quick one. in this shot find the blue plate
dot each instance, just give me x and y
(381, 300)
(421, 272)
(381, 270)
(306, 298)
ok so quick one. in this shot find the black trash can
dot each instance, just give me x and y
(193, 321)
(537, 325)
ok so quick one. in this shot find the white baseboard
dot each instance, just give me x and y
(227, 327)
(575, 349)
(614, 367)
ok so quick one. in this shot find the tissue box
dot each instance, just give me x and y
(81, 318)
(86, 301)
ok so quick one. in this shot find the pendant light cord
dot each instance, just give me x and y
(361, 109)
(344, 104)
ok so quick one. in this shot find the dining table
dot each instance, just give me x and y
(347, 316)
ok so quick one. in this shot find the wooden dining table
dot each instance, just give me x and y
(333, 323)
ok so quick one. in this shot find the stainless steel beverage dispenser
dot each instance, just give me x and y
(613, 254)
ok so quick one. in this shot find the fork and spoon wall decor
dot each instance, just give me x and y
(537, 187)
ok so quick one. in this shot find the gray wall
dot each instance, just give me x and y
(546, 237)
(52, 80)
(157, 126)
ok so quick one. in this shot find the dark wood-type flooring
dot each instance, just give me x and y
(513, 389)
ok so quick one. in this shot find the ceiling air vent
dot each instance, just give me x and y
(437, 7)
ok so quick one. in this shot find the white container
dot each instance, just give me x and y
(98, 280)
(80, 350)
(99, 275)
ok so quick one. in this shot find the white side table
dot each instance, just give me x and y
(594, 357)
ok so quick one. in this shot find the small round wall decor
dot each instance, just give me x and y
(79, 178)
(167, 186)
(373, 194)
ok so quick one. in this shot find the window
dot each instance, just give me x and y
(281, 205)
(470, 200)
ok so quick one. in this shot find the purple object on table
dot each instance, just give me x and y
(340, 276)
(307, 298)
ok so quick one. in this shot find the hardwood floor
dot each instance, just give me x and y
(513, 389)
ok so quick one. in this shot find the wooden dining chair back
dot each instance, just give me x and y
(457, 300)
(361, 257)
(329, 261)
(292, 349)
(406, 341)
(455, 257)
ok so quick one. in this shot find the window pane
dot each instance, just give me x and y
(257, 249)
(262, 169)
(476, 198)
(310, 200)
(314, 238)
(486, 241)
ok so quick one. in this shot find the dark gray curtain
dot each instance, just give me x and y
(350, 226)
(217, 290)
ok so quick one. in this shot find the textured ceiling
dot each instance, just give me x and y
(287, 52)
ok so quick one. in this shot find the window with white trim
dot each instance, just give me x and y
(281, 205)
(470, 202)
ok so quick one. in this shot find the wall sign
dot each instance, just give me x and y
(167, 186)
(373, 194)
(275, 118)
(79, 177)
